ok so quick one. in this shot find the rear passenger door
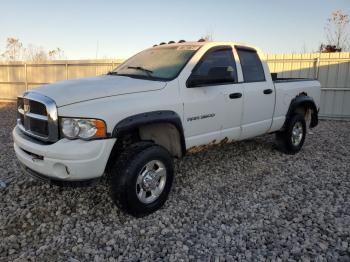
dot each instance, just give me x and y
(258, 94)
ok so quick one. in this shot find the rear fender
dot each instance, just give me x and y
(303, 101)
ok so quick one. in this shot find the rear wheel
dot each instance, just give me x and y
(291, 140)
(141, 178)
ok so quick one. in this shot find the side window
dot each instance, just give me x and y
(252, 68)
(216, 67)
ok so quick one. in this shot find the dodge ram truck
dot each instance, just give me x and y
(166, 101)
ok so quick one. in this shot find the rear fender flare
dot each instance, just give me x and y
(306, 102)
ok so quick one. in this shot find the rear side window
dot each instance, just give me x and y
(251, 65)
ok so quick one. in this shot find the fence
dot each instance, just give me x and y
(332, 70)
(18, 77)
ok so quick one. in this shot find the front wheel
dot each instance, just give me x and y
(141, 179)
(291, 140)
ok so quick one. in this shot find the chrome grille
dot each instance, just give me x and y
(37, 116)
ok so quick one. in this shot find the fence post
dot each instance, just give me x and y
(317, 67)
(66, 71)
(25, 76)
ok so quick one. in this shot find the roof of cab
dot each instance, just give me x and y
(210, 43)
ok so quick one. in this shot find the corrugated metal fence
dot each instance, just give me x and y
(17, 77)
(332, 70)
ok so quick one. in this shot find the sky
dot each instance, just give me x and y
(86, 29)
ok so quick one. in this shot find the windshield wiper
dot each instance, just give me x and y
(148, 72)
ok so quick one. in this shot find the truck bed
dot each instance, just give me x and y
(276, 79)
(289, 88)
(282, 80)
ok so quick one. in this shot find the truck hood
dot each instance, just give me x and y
(74, 91)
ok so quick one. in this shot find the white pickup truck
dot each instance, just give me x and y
(162, 103)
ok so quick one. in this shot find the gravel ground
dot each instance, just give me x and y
(243, 201)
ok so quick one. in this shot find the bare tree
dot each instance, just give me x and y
(207, 37)
(35, 54)
(337, 32)
(14, 49)
(56, 53)
(304, 48)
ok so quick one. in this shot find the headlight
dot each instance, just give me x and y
(83, 128)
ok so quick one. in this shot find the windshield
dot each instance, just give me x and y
(161, 63)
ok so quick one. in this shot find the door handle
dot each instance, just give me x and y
(235, 95)
(267, 91)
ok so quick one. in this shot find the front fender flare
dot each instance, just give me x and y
(162, 116)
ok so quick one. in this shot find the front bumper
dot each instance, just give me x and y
(65, 160)
(59, 182)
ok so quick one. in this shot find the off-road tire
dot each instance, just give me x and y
(284, 138)
(124, 173)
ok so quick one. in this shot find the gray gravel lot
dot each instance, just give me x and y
(244, 201)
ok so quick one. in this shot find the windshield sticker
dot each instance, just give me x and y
(188, 47)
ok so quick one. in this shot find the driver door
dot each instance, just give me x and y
(208, 105)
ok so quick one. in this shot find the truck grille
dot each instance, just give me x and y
(37, 116)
